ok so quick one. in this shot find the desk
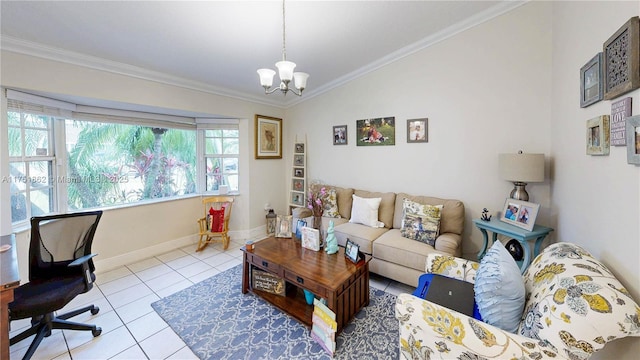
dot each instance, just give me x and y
(498, 227)
(9, 280)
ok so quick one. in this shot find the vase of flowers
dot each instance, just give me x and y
(315, 202)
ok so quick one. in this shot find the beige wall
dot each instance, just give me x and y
(485, 91)
(596, 199)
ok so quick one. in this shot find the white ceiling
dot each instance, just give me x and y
(217, 46)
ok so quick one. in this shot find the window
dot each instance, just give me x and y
(112, 163)
(31, 165)
(221, 152)
(66, 157)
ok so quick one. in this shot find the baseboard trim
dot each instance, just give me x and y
(104, 265)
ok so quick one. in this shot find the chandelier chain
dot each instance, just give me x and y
(284, 48)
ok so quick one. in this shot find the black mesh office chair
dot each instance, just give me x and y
(60, 268)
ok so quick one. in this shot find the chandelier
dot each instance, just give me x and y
(285, 71)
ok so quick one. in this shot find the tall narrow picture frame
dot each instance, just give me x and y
(340, 135)
(268, 137)
(633, 140)
(621, 60)
(591, 81)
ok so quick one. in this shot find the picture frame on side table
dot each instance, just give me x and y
(598, 135)
(621, 60)
(520, 213)
(417, 131)
(268, 137)
(591, 89)
(340, 135)
(352, 251)
(633, 140)
(283, 226)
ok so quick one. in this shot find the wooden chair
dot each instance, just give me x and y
(209, 233)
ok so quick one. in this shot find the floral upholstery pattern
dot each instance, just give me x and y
(574, 307)
(575, 302)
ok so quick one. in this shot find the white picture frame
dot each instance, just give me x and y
(520, 213)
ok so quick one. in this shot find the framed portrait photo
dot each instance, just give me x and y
(417, 131)
(340, 135)
(520, 213)
(268, 137)
(283, 226)
(591, 88)
(598, 135)
(633, 140)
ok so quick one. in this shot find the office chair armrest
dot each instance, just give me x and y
(84, 262)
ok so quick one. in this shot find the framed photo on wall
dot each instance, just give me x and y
(598, 135)
(591, 88)
(298, 172)
(297, 185)
(633, 140)
(268, 137)
(340, 135)
(376, 132)
(417, 130)
(520, 213)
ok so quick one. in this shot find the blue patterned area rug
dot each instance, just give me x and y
(217, 321)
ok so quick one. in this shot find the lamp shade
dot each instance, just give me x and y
(285, 70)
(522, 167)
(266, 77)
(300, 80)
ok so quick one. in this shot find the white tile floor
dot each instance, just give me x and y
(131, 329)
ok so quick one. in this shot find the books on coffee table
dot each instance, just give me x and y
(310, 238)
(324, 326)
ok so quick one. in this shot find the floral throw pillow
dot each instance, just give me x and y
(421, 222)
(330, 204)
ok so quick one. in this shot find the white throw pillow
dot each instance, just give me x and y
(365, 211)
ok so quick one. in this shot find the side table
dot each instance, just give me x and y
(538, 233)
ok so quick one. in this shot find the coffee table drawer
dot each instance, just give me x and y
(310, 285)
(266, 265)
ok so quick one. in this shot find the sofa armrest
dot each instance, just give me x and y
(427, 329)
(449, 243)
(451, 266)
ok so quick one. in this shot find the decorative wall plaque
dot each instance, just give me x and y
(621, 55)
(620, 110)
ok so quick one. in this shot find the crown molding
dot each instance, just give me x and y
(20, 46)
(24, 47)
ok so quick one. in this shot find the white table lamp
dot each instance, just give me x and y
(521, 169)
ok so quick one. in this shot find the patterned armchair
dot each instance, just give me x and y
(574, 306)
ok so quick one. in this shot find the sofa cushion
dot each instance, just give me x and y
(575, 302)
(387, 204)
(499, 289)
(343, 197)
(395, 248)
(452, 216)
(330, 204)
(361, 235)
(365, 211)
(421, 222)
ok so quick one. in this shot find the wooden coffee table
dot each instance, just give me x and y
(344, 284)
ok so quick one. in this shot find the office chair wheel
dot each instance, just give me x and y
(96, 332)
(94, 311)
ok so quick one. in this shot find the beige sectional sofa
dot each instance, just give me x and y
(393, 255)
